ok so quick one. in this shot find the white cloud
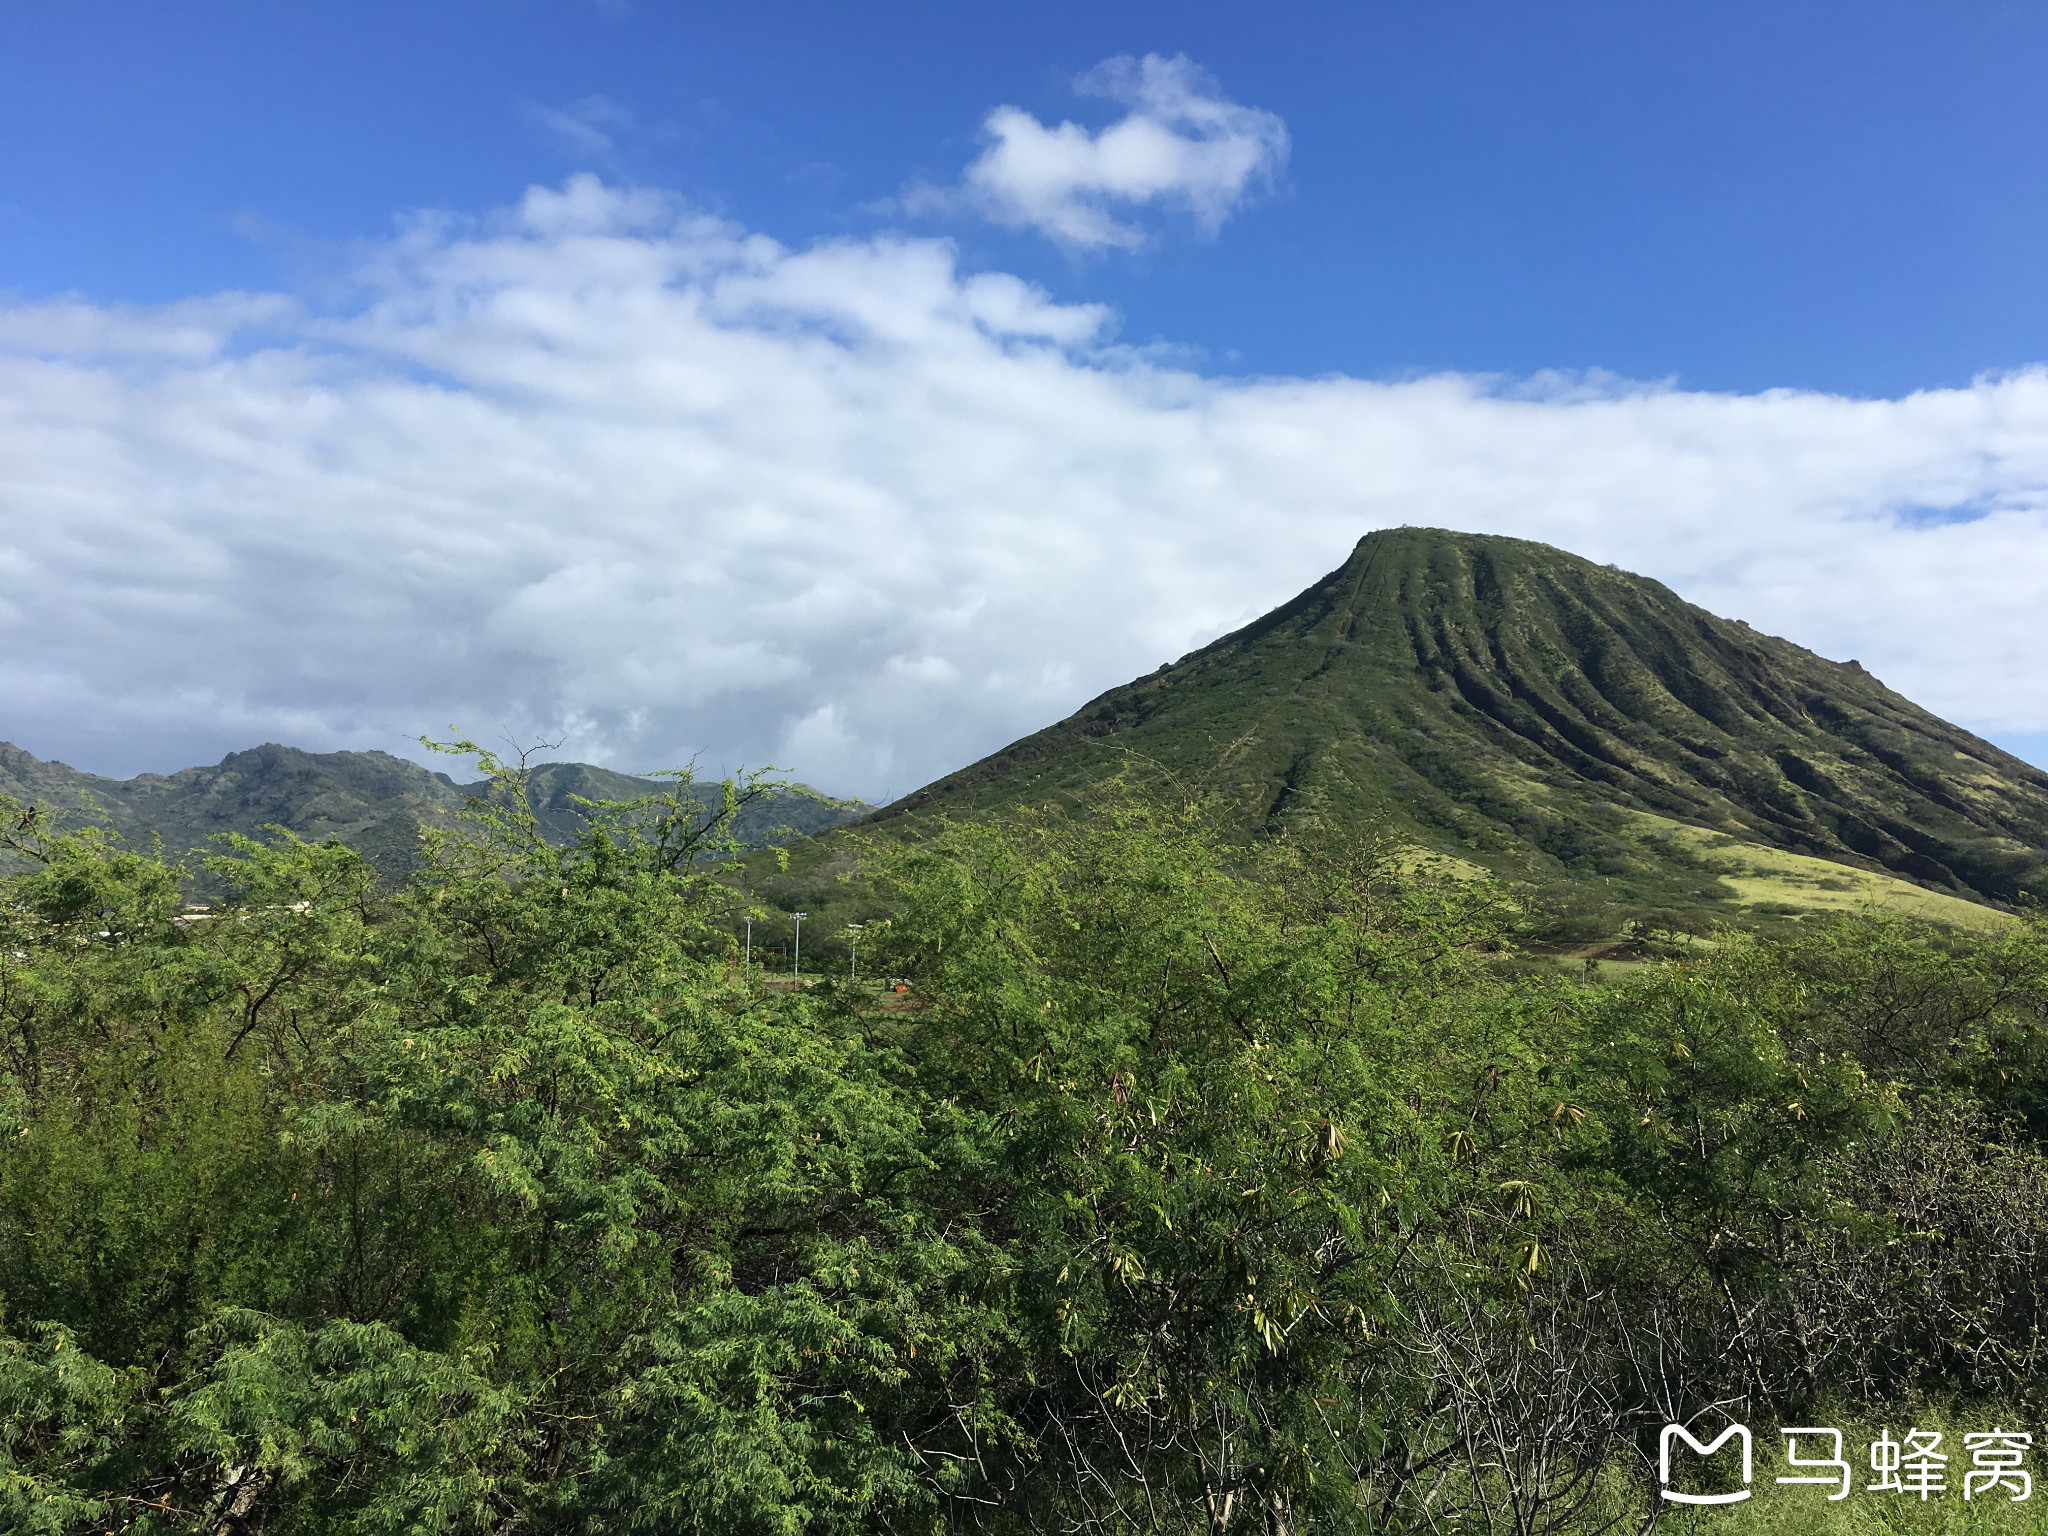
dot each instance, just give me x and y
(607, 469)
(595, 131)
(576, 130)
(190, 331)
(1182, 146)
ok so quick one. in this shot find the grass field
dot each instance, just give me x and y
(1767, 879)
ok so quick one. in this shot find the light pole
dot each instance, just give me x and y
(853, 933)
(796, 957)
(749, 962)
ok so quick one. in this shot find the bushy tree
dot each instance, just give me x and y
(1187, 1186)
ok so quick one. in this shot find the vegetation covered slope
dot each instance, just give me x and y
(1553, 719)
(370, 800)
(1174, 1196)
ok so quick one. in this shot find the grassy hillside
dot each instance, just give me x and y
(1531, 714)
(1565, 723)
(370, 800)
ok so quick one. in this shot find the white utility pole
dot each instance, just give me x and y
(853, 933)
(796, 959)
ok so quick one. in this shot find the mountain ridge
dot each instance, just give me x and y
(372, 800)
(1557, 723)
(1517, 705)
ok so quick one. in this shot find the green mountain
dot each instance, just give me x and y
(1506, 704)
(372, 800)
(1561, 722)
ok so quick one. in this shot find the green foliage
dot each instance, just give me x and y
(1182, 1188)
(1200, 1095)
(62, 1414)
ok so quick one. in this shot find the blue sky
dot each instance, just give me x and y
(1737, 196)
(1773, 278)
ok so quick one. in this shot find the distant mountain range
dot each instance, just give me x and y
(1562, 722)
(1523, 711)
(371, 800)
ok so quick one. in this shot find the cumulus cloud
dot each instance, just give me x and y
(609, 470)
(1181, 146)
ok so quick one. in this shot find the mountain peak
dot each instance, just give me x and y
(1549, 716)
